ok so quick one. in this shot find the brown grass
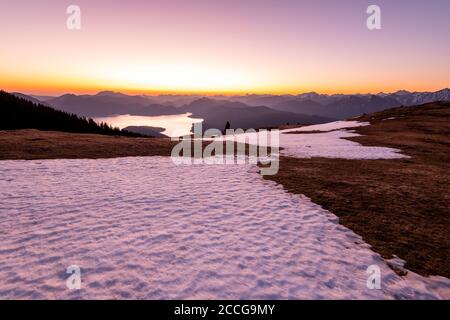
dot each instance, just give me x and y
(34, 144)
(400, 207)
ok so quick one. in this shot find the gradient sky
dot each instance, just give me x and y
(225, 46)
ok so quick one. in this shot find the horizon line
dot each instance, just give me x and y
(208, 93)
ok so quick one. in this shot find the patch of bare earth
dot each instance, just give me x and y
(400, 207)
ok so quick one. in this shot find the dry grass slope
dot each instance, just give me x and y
(400, 207)
(32, 144)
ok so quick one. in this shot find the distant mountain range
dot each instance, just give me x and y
(106, 104)
(217, 112)
(342, 106)
(243, 111)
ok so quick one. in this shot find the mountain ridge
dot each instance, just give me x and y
(295, 107)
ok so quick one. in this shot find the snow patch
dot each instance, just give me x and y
(143, 228)
(329, 126)
(329, 144)
(333, 144)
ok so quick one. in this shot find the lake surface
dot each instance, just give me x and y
(176, 125)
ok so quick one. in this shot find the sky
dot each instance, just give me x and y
(224, 46)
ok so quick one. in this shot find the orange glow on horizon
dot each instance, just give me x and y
(83, 87)
(175, 47)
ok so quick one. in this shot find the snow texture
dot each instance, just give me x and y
(145, 228)
(330, 143)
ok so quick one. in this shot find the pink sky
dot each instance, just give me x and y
(224, 46)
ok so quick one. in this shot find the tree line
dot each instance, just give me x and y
(19, 113)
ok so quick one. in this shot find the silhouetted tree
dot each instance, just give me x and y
(19, 113)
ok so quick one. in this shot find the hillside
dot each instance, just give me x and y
(401, 206)
(31, 144)
(20, 113)
(398, 206)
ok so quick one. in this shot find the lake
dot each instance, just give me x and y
(174, 125)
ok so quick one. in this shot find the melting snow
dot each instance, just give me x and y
(328, 144)
(329, 126)
(145, 228)
(332, 145)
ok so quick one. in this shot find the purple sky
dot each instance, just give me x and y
(225, 46)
